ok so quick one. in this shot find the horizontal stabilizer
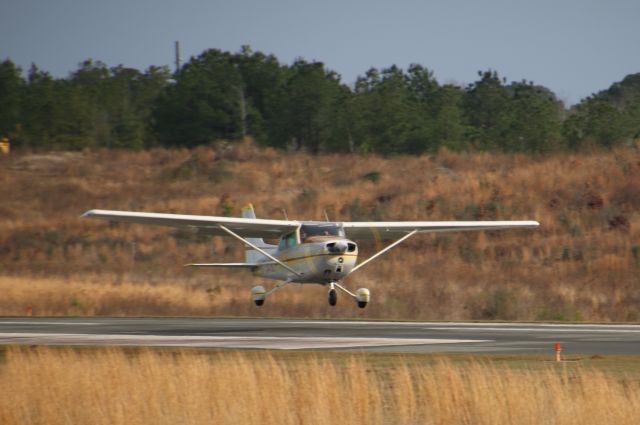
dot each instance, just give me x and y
(231, 265)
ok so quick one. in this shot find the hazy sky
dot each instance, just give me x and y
(574, 47)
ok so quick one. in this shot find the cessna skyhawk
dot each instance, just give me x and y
(309, 251)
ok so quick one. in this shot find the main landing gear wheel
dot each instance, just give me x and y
(333, 297)
(363, 296)
(258, 294)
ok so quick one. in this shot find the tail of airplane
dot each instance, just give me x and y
(251, 255)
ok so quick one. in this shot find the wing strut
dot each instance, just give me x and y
(262, 251)
(379, 253)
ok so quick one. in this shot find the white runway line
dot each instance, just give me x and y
(525, 325)
(505, 329)
(470, 325)
(348, 322)
(38, 322)
(280, 343)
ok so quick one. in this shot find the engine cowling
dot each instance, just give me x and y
(338, 247)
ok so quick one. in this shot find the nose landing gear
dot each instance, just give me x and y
(333, 297)
(362, 295)
(333, 294)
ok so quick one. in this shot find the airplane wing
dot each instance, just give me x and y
(246, 227)
(397, 229)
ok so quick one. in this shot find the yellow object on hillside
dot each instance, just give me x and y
(5, 146)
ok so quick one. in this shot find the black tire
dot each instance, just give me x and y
(259, 302)
(333, 297)
(362, 304)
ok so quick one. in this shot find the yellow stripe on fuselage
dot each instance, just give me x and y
(310, 264)
(308, 257)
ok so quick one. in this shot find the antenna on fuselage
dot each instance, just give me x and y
(285, 214)
(326, 216)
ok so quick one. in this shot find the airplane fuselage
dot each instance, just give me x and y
(319, 260)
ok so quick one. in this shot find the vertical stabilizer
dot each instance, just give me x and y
(251, 255)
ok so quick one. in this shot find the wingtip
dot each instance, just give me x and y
(530, 224)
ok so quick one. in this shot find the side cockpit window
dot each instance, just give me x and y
(288, 241)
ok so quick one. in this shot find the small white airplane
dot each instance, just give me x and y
(309, 251)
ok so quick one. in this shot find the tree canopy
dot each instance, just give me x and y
(224, 95)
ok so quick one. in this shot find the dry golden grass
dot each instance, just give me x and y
(582, 264)
(100, 295)
(115, 386)
(96, 296)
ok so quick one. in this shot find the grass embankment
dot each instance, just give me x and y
(582, 264)
(114, 386)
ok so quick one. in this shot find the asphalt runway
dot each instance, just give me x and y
(520, 338)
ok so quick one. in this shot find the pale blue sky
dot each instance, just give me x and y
(573, 47)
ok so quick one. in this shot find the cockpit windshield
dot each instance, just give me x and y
(321, 229)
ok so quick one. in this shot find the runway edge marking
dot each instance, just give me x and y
(283, 343)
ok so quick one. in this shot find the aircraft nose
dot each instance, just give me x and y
(338, 247)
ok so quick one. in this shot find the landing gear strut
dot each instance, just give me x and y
(362, 295)
(259, 294)
(333, 294)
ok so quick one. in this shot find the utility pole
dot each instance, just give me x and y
(243, 112)
(177, 48)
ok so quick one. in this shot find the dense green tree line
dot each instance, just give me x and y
(95, 106)
(223, 95)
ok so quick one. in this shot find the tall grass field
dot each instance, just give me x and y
(116, 386)
(583, 263)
